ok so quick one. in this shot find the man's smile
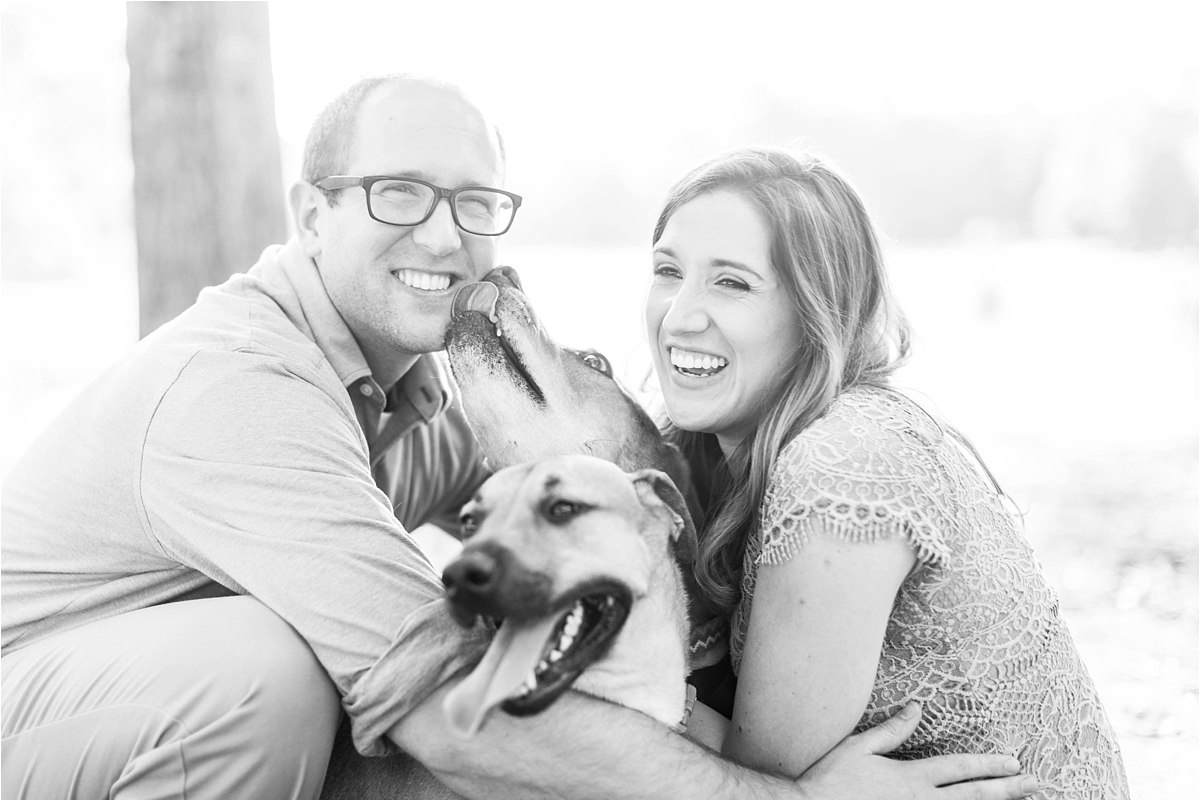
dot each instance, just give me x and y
(425, 282)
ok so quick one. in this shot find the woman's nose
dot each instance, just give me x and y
(686, 312)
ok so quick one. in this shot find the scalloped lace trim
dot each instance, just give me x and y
(975, 633)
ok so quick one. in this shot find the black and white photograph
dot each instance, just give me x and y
(599, 400)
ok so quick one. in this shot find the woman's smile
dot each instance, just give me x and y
(696, 363)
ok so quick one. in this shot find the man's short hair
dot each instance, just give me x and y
(327, 147)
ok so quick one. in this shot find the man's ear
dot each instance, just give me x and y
(655, 487)
(307, 203)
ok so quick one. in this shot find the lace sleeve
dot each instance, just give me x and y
(865, 474)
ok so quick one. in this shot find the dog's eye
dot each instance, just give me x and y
(596, 362)
(562, 510)
(469, 525)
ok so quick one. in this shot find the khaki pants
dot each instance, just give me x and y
(214, 698)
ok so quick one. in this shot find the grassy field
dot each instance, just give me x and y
(1073, 368)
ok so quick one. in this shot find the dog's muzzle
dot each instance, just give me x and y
(487, 581)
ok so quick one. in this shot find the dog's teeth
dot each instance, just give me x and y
(542, 666)
(574, 619)
(565, 642)
(555, 655)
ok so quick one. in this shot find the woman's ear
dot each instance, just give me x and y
(307, 202)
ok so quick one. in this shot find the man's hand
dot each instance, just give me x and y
(856, 769)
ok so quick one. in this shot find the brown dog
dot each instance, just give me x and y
(528, 398)
(581, 561)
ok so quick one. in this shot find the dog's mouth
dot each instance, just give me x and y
(530, 663)
(483, 298)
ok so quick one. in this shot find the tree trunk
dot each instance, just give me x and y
(208, 192)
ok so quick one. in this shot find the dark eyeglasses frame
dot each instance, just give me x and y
(332, 182)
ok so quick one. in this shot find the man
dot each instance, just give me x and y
(275, 441)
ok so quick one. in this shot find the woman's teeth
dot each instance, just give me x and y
(693, 363)
(430, 282)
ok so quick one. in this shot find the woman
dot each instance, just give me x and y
(860, 547)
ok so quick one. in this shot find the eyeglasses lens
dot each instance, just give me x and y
(479, 211)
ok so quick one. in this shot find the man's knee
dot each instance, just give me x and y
(262, 654)
(237, 697)
(280, 711)
(268, 692)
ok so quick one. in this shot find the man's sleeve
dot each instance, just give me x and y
(444, 470)
(263, 484)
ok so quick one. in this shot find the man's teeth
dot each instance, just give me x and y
(430, 282)
(691, 360)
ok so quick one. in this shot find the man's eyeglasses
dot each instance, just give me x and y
(478, 210)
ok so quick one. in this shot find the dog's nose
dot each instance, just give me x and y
(474, 573)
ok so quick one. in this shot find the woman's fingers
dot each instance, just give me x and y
(1020, 786)
(951, 776)
(978, 776)
(954, 768)
(889, 735)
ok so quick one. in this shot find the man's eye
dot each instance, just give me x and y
(395, 189)
(476, 202)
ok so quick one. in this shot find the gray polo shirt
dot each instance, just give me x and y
(246, 444)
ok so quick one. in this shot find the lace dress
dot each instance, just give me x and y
(975, 634)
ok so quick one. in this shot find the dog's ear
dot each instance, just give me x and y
(681, 473)
(656, 487)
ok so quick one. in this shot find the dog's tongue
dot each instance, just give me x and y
(478, 297)
(512, 656)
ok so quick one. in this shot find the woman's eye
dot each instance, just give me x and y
(665, 271)
(733, 283)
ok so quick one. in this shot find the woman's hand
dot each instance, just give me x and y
(855, 768)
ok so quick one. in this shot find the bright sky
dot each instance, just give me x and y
(623, 69)
(656, 83)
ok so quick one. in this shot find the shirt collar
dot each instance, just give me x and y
(427, 384)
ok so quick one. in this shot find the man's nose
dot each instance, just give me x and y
(687, 312)
(439, 235)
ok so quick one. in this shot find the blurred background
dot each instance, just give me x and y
(1032, 166)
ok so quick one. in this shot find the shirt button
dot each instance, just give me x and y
(366, 389)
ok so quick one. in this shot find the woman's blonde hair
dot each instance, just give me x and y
(826, 253)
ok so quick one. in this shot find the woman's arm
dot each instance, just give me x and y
(812, 649)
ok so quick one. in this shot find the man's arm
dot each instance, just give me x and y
(584, 748)
(268, 491)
